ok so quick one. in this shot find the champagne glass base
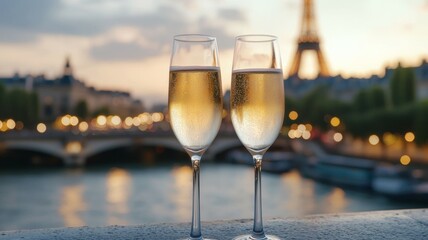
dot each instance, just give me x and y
(250, 237)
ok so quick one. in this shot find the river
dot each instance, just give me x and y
(136, 195)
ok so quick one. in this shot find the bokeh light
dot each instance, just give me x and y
(83, 126)
(293, 115)
(335, 121)
(409, 137)
(128, 121)
(405, 160)
(373, 139)
(337, 137)
(41, 128)
(11, 124)
(116, 121)
(306, 135)
(101, 120)
(74, 121)
(65, 120)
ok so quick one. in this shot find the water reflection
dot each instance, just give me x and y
(72, 205)
(181, 194)
(301, 194)
(336, 201)
(118, 185)
(163, 194)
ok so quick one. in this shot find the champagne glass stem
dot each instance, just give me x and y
(258, 232)
(195, 233)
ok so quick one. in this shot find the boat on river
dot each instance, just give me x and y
(401, 182)
(273, 161)
(339, 170)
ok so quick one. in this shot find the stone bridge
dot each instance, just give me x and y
(75, 149)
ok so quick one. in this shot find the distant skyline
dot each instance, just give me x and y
(125, 45)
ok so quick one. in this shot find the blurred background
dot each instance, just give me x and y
(84, 132)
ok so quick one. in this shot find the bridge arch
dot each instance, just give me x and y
(54, 148)
(98, 146)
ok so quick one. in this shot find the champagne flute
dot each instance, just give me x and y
(195, 103)
(257, 106)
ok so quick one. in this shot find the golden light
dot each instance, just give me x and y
(73, 147)
(373, 139)
(74, 121)
(336, 200)
(10, 123)
(157, 116)
(301, 128)
(101, 120)
(306, 135)
(409, 136)
(72, 204)
(337, 137)
(118, 190)
(83, 126)
(182, 185)
(291, 134)
(293, 115)
(41, 128)
(297, 134)
(405, 160)
(145, 117)
(136, 121)
(116, 121)
(65, 120)
(3, 127)
(128, 121)
(149, 120)
(1, 124)
(389, 138)
(308, 127)
(335, 121)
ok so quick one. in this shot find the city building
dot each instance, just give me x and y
(346, 88)
(61, 95)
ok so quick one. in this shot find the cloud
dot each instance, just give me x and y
(24, 21)
(156, 31)
(117, 51)
(20, 20)
(26, 14)
(10, 35)
(29, 19)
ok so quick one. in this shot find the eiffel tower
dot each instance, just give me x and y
(308, 40)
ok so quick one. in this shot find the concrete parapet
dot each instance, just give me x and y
(398, 224)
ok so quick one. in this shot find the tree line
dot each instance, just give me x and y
(19, 105)
(375, 110)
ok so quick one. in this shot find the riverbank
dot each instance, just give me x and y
(402, 224)
(390, 153)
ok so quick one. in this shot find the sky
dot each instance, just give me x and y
(125, 45)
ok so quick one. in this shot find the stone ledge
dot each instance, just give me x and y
(398, 224)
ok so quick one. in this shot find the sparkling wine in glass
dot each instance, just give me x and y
(257, 106)
(195, 103)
